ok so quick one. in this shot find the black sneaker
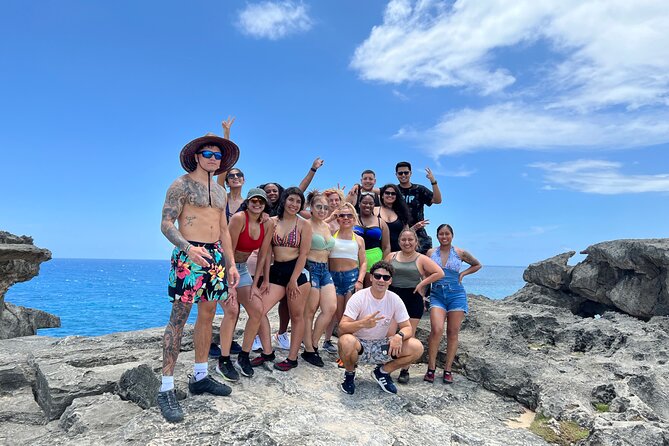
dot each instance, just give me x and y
(169, 406)
(244, 365)
(312, 358)
(235, 348)
(348, 386)
(227, 370)
(385, 381)
(214, 351)
(208, 385)
(404, 377)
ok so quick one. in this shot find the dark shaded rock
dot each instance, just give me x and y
(551, 273)
(604, 394)
(139, 385)
(536, 294)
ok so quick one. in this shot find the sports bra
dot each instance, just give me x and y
(245, 243)
(371, 236)
(344, 249)
(318, 243)
(290, 240)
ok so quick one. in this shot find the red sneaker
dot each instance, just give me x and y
(448, 377)
(429, 376)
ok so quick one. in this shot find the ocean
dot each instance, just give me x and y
(95, 297)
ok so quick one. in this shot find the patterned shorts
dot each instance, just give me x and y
(190, 282)
(374, 351)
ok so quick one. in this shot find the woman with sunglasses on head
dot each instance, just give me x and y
(413, 272)
(448, 300)
(348, 265)
(395, 212)
(322, 292)
(374, 232)
(247, 234)
(289, 244)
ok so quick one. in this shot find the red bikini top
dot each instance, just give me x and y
(245, 243)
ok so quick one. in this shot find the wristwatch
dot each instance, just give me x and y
(401, 334)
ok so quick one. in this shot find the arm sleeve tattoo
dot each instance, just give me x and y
(174, 203)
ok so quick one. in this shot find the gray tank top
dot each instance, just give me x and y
(406, 273)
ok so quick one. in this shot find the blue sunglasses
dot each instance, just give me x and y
(208, 154)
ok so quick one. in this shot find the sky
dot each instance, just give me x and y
(546, 123)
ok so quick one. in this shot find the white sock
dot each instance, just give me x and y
(382, 370)
(200, 370)
(167, 383)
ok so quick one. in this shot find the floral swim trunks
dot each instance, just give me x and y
(190, 282)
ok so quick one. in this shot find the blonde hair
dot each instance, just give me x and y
(334, 190)
(346, 206)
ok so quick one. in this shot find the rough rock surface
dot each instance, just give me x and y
(19, 262)
(551, 273)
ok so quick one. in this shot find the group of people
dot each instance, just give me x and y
(363, 259)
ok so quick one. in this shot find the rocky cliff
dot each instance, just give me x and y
(20, 261)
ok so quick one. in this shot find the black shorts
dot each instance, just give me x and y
(413, 301)
(280, 272)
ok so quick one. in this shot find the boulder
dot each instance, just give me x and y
(552, 273)
(139, 385)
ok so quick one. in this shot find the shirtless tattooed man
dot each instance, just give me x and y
(202, 263)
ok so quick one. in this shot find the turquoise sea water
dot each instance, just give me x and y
(95, 297)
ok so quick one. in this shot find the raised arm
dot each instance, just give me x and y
(306, 181)
(436, 197)
(227, 124)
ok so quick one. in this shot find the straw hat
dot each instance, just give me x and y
(228, 148)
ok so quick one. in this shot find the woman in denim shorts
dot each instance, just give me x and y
(448, 300)
(348, 265)
(322, 292)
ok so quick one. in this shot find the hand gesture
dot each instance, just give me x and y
(199, 256)
(317, 163)
(226, 126)
(354, 190)
(420, 225)
(429, 174)
(371, 320)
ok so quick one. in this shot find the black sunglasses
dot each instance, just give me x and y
(208, 154)
(389, 192)
(385, 277)
(403, 172)
(235, 175)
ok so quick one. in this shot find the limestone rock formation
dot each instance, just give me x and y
(19, 262)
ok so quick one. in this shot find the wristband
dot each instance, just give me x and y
(188, 248)
(433, 182)
(312, 169)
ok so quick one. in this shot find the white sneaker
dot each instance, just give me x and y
(282, 340)
(257, 345)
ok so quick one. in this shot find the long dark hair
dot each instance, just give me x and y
(284, 196)
(399, 206)
(272, 209)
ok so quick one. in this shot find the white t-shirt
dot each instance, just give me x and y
(363, 303)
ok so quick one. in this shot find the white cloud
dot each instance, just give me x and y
(399, 95)
(599, 177)
(461, 172)
(519, 126)
(274, 20)
(535, 230)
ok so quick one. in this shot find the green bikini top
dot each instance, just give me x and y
(318, 243)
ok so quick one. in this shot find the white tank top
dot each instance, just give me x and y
(344, 249)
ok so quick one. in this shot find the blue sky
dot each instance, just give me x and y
(547, 124)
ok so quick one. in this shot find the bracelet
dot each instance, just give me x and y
(433, 182)
(312, 169)
(359, 281)
(188, 248)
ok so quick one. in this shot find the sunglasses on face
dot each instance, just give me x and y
(256, 200)
(349, 216)
(208, 154)
(403, 172)
(384, 277)
(321, 207)
(235, 175)
(390, 193)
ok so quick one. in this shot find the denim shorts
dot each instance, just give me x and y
(449, 297)
(320, 274)
(344, 281)
(245, 278)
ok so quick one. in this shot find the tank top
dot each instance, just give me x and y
(406, 274)
(245, 243)
(344, 249)
(394, 230)
(452, 267)
(371, 236)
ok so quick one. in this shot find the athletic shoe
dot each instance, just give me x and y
(285, 365)
(404, 377)
(260, 360)
(448, 377)
(169, 406)
(214, 351)
(282, 341)
(208, 385)
(429, 376)
(329, 347)
(235, 348)
(312, 358)
(227, 370)
(244, 365)
(257, 345)
(348, 386)
(385, 381)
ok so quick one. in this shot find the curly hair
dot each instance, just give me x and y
(399, 206)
